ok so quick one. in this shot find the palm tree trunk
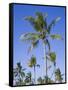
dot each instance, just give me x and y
(34, 75)
(46, 71)
(19, 78)
(44, 47)
(55, 70)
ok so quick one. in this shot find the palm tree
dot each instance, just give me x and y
(28, 78)
(47, 80)
(19, 74)
(33, 63)
(43, 32)
(40, 80)
(58, 75)
(51, 56)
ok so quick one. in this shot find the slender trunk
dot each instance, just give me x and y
(55, 70)
(34, 75)
(19, 78)
(45, 58)
(46, 72)
(30, 79)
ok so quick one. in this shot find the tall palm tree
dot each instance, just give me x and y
(19, 74)
(33, 63)
(58, 75)
(43, 32)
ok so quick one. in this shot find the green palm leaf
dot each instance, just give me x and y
(34, 23)
(29, 36)
(52, 56)
(34, 44)
(30, 19)
(52, 24)
(32, 61)
(38, 23)
(56, 36)
(58, 75)
(41, 19)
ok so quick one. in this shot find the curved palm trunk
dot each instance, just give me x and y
(44, 47)
(34, 75)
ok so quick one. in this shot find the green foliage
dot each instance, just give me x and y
(53, 22)
(55, 36)
(58, 75)
(47, 80)
(30, 19)
(41, 20)
(40, 80)
(29, 36)
(52, 56)
(19, 73)
(32, 62)
(35, 43)
(28, 78)
(38, 23)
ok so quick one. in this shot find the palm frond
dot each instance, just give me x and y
(34, 23)
(32, 61)
(58, 75)
(38, 23)
(30, 19)
(52, 24)
(52, 56)
(29, 36)
(56, 36)
(15, 72)
(42, 19)
(22, 74)
(34, 44)
(38, 65)
(47, 43)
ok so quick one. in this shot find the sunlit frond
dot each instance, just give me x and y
(53, 24)
(29, 36)
(39, 23)
(41, 18)
(32, 61)
(30, 19)
(52, 56)
(56, 36)
(34, 44)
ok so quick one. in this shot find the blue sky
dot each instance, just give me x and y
(22, 26)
